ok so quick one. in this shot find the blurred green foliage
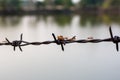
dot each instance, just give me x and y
(104, 4)
(10, 4)
(39, 4)
(65, 3)
(115, 3)
(91, 3)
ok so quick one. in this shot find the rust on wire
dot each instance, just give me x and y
(62, 41)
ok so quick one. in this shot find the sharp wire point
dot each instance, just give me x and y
(54, 36)
(111, 34)
(14, 48)
(117, 46)
(21, 36)
(20, 48)
(62, 47)
(7, 40)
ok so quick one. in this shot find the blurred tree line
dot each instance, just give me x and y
(103, 4)
(59, 4)
(18, 4)
(10, 4)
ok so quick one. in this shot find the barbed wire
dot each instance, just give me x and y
(62, 41)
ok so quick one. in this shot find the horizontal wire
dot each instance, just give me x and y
(65, 41)
(60, 40)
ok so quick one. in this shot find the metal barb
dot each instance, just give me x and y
(20, 48)
(115, 39)
(61, 41)
(15, 43)
(117, 46)
(21, 37)
(55, 38)
(14, 47)
(62, 47)
(111, 34)
(8, 41)
(58, 42)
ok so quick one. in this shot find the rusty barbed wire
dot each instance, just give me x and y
(62, 41)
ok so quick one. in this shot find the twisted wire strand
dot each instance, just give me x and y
(20, 43)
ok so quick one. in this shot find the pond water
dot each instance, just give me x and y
(86, 61)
